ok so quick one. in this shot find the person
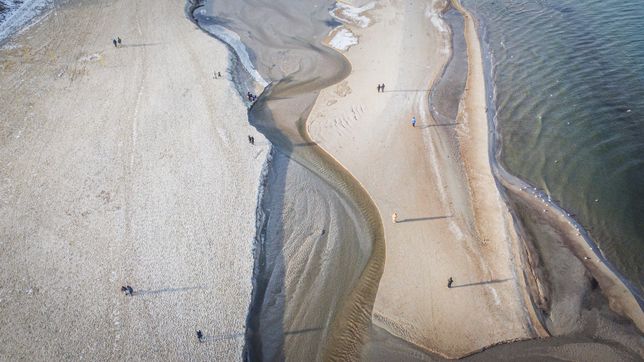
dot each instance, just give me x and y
(252, 140)
(413, 121)
(124, 290)
(382, 87)
(394, 217)
(130, 291)
(449, 282)
(378, 88)
(218, 74)
(199, 335)
(114, 42)
(119, 40)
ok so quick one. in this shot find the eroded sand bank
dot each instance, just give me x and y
(127, 165)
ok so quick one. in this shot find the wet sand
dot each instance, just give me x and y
(437, 178)
(123, 166)
(320, 246)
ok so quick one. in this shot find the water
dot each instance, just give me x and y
(320, 243)
(569, 88)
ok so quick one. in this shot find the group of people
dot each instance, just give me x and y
(117, 42)
(251, 97)
(251, 139)
(127, 290)
(381, 88)
(217, 75)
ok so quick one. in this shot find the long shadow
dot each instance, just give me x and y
(165, 290)
(423, 219)
(223, 337)
(406, 90)
(139, 45)
(481, 283)
(439, 125)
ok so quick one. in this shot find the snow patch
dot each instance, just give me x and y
(342, 39)
(436, 19)
(22, 15)
(348, 14)
(234, 41)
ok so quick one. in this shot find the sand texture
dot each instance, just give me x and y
(452, 221)
(127, 165)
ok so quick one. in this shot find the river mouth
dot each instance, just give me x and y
(320, 243)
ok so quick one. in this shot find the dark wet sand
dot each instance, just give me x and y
(320, 246)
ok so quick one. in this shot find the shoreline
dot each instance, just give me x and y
(329, 105)
(342, 330)
(611, 281)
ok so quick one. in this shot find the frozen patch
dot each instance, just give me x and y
(342, 38)
(348, 14)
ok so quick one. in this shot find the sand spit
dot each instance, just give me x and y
(127, 165)
(437, 178)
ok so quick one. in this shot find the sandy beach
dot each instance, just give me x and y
(452, 221)
(119, 166)
(131, 165)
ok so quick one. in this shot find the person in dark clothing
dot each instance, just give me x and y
(199, 335)
(124, 290)
(218, 74)
(450, 281)
(130, 291)
(118, 39)
(114, 42)
(252, 140)
(378, 88)
(382, 87)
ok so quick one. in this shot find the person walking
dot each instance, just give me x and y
(413, 121)
(199, 335)
(450, 281)
(114, 42)
(378, 88)
(118, 39)
(394, 217)
(382, 87)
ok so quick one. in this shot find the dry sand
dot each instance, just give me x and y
(452, 221)
(118, 166)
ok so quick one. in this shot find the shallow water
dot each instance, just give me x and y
(320, 242)
(569, 94)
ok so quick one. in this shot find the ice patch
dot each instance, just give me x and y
(436, 19)
(348, 14)
(343, 39)
(21, 15)
(234, 41)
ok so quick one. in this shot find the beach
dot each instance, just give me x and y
(362, 223)
(124, 166)
(452, 221)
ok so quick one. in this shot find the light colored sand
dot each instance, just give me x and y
(123, 166)
(431, 176)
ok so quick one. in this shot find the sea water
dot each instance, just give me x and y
(568, 79)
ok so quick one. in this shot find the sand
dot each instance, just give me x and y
(452, 221)
(117, 166)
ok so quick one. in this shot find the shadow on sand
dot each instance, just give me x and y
(423, 219)
(482, 283)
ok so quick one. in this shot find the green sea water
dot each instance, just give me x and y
(568, 81)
